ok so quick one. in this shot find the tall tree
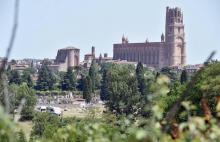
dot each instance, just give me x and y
(124, 97)
(46, 79)
(87, 89)
(104, 87)
(184, 77)
(30, 81)
(93, 75)
(14, 77)
(140, 78)
(26, 77)
(69, 80)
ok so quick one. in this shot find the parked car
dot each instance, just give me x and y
(54, 110)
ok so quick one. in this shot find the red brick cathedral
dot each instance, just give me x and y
(170, 51)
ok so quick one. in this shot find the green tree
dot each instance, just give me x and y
(172, 74)
(69, 80)
(93, 74)
(14, 77)
(104, 87)
(124, 97)
(26, 77)
(46, 79)
(184, 77)
(140, 78)
(30, 81)
(24, 92)
(87, 89)
(45, 125)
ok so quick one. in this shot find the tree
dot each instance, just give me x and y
(14, 77)
(202, 91)
(174, 76)
(184, 77)
(69, 80)
(46, 79)
(30, 81)
(80, 83)
(124, 97)
(87, 89)
(93, 74)
(26, 77)
(140, 78)
(24, 92)
(104, 87)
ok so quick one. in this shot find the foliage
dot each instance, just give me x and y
(7, 128)
(45, 125)
(46, 79)
(95, 78)
(166, 102)
(26, 76)
(184, 77)
(124, 96)
(24, 92)
(87, 89)
(173, 75)
(140, 78)
(14, 77)
(104, 87)
(21, 136)
(69, 80)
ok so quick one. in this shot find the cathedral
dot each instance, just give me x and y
(170, 51)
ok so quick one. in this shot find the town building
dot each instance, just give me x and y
(88, 58)
(170, 51)
(66, 57)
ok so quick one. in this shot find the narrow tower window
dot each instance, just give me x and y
(178, 29)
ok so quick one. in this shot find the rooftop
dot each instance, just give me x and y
(70, 48)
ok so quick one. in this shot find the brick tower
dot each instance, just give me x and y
(175, 37)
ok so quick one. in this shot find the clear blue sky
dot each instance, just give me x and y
(47, 25)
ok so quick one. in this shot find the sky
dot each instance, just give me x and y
(48, 25)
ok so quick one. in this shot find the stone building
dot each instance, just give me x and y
(170, 51)
(88, 58)
(66, 57)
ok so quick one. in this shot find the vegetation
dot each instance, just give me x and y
(93, 74)
(104, 87)
(46, 79)
(87, 89)
(14, 77)
(184, 77)
(138, 102)
(69, 81)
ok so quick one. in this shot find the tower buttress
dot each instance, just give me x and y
(175, 37)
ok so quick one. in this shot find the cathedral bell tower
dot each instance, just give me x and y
(175, 37)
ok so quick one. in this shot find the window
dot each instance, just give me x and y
(179, 29)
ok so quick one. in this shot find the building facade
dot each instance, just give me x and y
(66, 57)
(170, 51)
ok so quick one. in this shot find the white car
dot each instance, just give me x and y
(54, 110)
